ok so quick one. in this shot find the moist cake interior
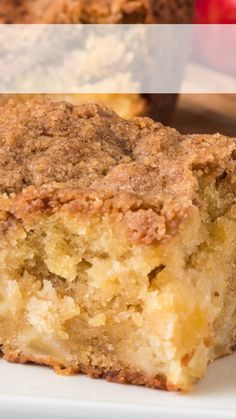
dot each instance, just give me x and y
(75, 293)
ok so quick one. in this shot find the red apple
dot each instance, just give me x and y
(215, 46)
(215, 11)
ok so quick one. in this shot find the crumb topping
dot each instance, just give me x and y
(90, 159)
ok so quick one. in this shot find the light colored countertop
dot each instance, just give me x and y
(28, 391)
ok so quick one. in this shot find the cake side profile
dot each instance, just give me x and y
(117, 245)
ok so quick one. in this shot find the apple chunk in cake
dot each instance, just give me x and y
(118, 244)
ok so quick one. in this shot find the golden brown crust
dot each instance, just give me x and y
(17, 357)
(121, 376)
(125, 376)
(96, 11)
(87, 159)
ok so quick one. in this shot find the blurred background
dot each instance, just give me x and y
(214, 112)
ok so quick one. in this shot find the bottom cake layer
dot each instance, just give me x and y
(76, 293)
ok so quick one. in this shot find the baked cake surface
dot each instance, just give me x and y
(117, 250)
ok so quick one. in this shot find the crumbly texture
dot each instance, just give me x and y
(117, 251)
(96, 11)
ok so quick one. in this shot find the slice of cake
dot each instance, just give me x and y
(118, 244)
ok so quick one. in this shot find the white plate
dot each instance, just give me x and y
(33, 392)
